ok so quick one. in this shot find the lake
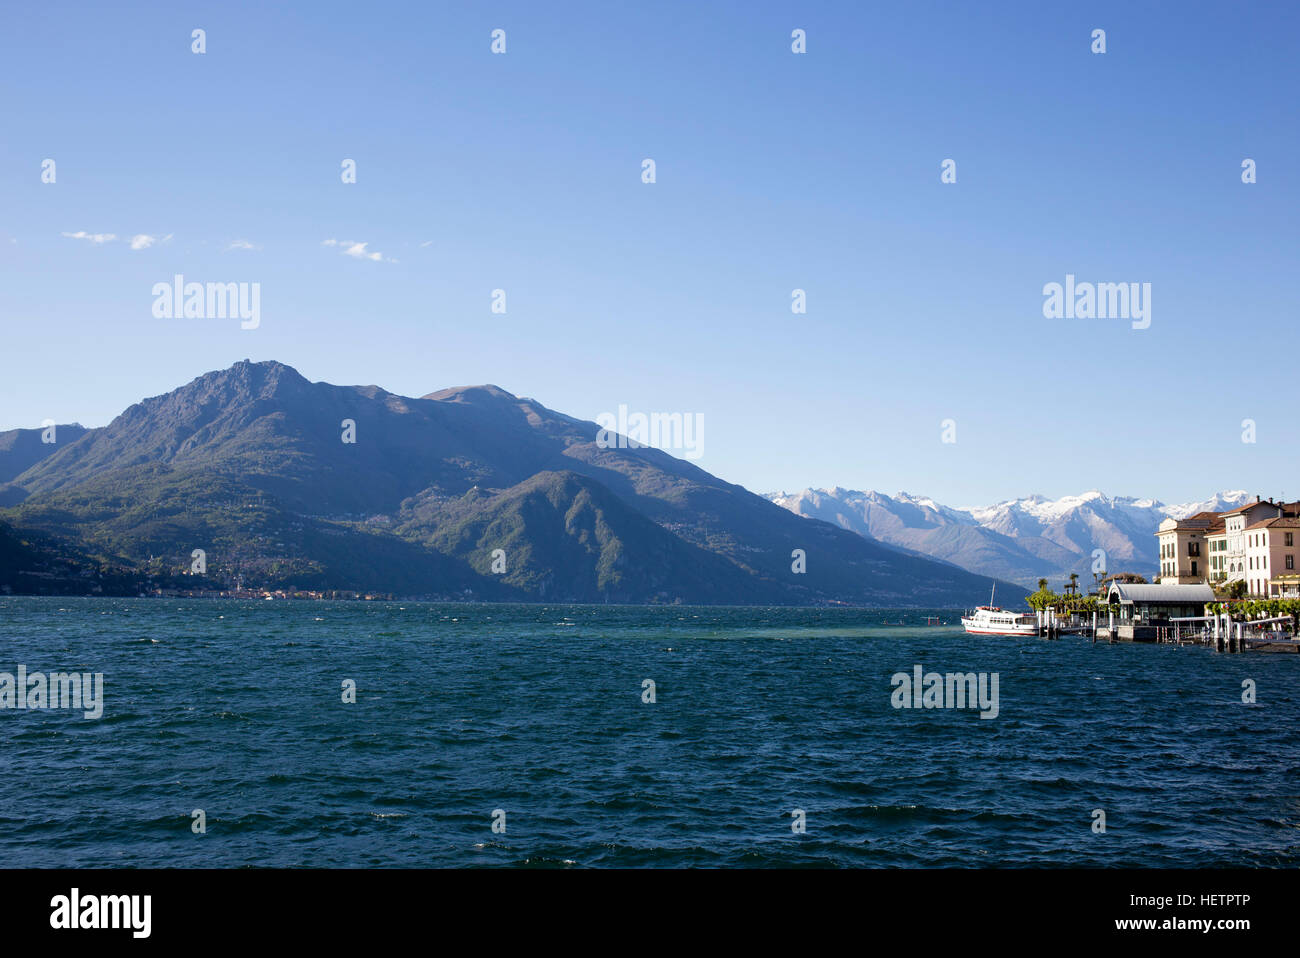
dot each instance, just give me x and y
(772, 740)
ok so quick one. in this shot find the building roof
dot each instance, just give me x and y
(1161, 594)
(1200, 522)
(1250, 505)
(1277, 522)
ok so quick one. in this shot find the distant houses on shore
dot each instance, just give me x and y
(1256, 543)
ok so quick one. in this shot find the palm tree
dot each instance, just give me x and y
(1043, 598)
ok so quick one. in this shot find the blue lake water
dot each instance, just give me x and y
(235, 708)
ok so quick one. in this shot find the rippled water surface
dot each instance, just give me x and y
(235, 708)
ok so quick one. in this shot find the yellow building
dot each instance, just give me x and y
(1184, 553)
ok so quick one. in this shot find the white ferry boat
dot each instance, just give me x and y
(990, 620)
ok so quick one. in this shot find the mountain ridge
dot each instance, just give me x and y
(1021, 539)
(254, 465)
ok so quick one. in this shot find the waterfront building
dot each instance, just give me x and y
(1270, 552)
(1222, 547)
(1235, 521)
(1184, 554)
(1216, 542)
(1143, 609)
(1285, 586)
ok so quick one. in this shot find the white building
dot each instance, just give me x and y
(1226, 543)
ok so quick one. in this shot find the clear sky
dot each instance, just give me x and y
(774, 171)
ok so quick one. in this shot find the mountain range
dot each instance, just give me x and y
(1022, 540)
(466, 492)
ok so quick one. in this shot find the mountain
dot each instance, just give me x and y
(1219, 502)
(250, 464)
(33, 563)
(20, 449)
(1022, 540)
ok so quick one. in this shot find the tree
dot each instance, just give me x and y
(1127, 578)
(1087, 604)
(1044, 598)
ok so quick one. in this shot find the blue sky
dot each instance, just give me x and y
(775, 171)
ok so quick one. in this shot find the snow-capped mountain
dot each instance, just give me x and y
(1220, 502)
(1022, 540)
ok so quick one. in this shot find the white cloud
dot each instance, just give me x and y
(242, 244)
(97, 238)
(426, 243)
(137, 242)
(358, 250)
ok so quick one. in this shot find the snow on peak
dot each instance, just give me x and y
(1219, 502)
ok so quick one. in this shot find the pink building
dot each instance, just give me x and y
(1271, 552)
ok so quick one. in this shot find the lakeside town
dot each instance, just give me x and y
(1227, 579)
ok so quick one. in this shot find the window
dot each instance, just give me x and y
(1290, 562)
(1290, 536)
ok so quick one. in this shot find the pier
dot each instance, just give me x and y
(1169, 614)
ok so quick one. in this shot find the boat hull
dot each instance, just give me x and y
(977, 629)
(990, 620)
